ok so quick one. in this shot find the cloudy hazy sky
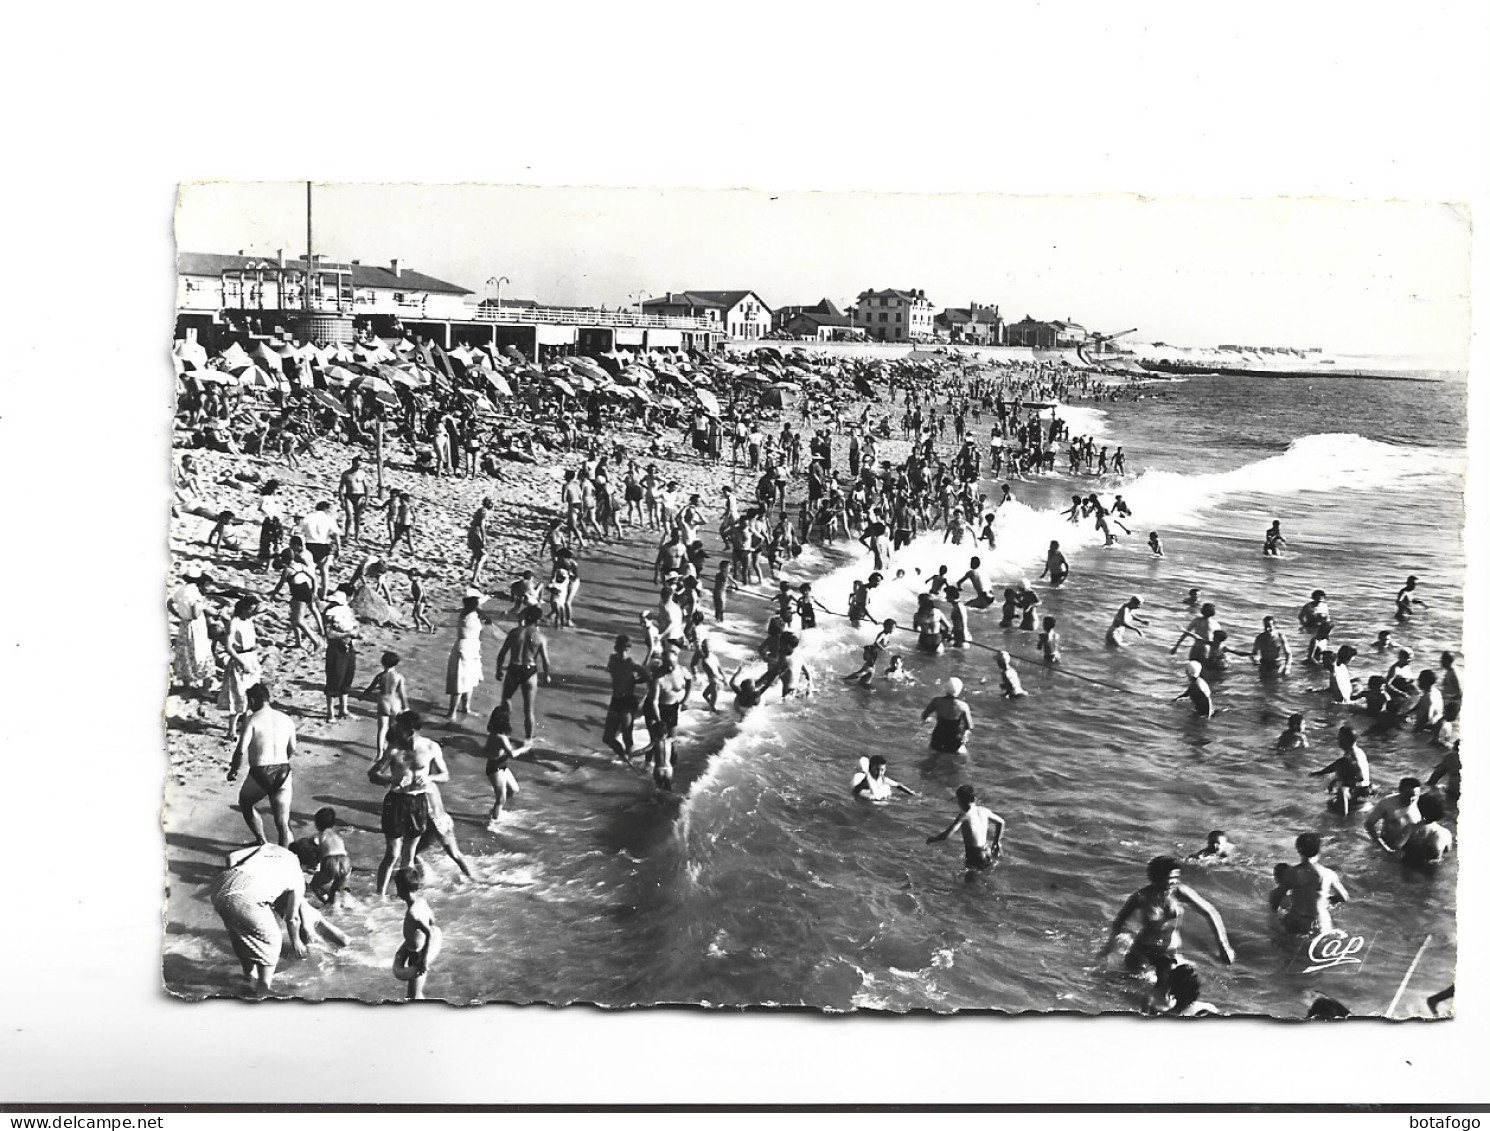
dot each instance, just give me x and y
(1347, 276)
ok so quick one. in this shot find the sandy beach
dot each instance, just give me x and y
(568, 765)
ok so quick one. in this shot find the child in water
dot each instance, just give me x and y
(1294, 736)
(334, 865)
(1013, 688)
(1157, 546)
(393, 699)
(421, 937)
(896, 671)
(1197, 691)
(1011, 609)
(1217, 847)
(1282, 885)
(1050, 643)
(499, 752)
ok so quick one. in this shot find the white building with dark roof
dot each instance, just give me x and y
(742, 315)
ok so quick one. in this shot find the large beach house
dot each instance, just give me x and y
(973, 324)
(740, 314)
(894, 315)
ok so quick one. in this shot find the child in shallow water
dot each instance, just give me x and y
(1293, 736)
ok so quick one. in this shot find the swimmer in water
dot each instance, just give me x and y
(896, 672)
(747, 695)
(1056, 566)
(954, 720)
(1294, 736)
(1013, 689)
(1273, 541)
(1351, 773)
(982, 830)
(1310, 888)
(1197, 690)
(1050, 643)
(1406, 600)
(1159, 906)
(1217, 847)
(1200, 629)
(1126, 620)
(1192, 598)
(1393, 818)
(873, 652)
(1183, 996)
(873, 783)
(1384, 641)
(1282, 885)
(421, 936)
(1270, 650)
(1429, 842)
(1155, 545)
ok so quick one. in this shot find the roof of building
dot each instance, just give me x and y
(908, 296)
(820, 318)
(363, 274)
(823, 306)
(983, 315)
(724, 300)
(1059, 325)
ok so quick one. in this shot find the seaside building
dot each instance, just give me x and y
(894, 315)
(822, 322)
(222, 298)
(741, 315)
(973, 324)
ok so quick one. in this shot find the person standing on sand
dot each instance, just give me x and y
(463, 668)
(268, 741)
(352, 491)
(322, 540)
(523, 657)
(192, 663)
(477, 539)
(243, 669)
(341, 653)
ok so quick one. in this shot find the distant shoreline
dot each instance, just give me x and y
(1184, 369)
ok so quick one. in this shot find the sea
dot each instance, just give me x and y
(766, 884)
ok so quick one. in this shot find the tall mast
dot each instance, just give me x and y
(310, 255)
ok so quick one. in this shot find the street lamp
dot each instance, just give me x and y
(640, 297)
(498, 280)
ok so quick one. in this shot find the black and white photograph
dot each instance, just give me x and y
(793, 559)
(814, 641)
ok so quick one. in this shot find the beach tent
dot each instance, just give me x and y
(778, 397)
(191, 355)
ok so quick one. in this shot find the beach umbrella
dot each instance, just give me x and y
(322, 397)
(497, 382)
(708, 400)
(514, 353)
(403, 375)
(588, 367)
(562, 385)
(641, 394)
(340, 376)
(670, 402)
(215, 377)
(192, 355)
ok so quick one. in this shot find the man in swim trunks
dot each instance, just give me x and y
(268, 739)
(322, 539)
(1126, 620)
(1396, 816)
(1270, 650)
(626, 678)
(666, 698)
(404, 767)
(1312, 888)
(1159, 906)
(954, 720)
(1429, 842)
(352, 491)
(982, 830)
(524, 654)
(476, 539)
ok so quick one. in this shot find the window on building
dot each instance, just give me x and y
(898, 316)
(884, 317)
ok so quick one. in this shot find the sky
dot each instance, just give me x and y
(1355, 277)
